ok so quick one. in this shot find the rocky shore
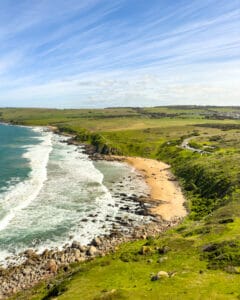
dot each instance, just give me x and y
(37, 267)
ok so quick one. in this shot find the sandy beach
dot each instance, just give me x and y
(164, 188)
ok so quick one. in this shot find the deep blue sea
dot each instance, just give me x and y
(51, 193)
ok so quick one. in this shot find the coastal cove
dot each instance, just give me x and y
(128, 212)
(130, 261)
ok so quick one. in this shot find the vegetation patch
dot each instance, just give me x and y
(224, 255)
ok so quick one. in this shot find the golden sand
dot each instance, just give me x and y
(163, 187)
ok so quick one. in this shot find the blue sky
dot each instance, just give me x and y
(98, 53)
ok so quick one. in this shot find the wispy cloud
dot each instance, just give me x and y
(100, 53)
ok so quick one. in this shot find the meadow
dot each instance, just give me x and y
(204, 250)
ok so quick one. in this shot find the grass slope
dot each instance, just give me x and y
(204, 251)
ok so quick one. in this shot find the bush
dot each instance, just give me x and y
(222, 255)
(57, 290)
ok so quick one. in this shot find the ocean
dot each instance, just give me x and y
(51, 193)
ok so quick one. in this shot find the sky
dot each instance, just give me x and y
(102, 53)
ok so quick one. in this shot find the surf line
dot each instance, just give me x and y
(21, 195)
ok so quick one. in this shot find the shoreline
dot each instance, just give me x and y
(165, 192)
(43, 267)
(164, 188)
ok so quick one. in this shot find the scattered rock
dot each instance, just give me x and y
(96, 242)
(92, 251)
(38, 267)
(76, 245)
(162, 259)
(164, 250)
(162, 274)
(52, 266)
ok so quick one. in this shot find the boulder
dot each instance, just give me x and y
(52, 266)
(62, 258)
(75, 245)
(96, 242)
(162, 274)
(161, 259)
(77, 254)
(164, 250)
(26, 271)
(31, 254)
(45, 253)
(92, 251)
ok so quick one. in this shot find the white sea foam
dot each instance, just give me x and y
(75, 188)
(21, 195)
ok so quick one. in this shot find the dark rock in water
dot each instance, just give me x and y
(123, 194)
(84, 220)
(125, 208)
(76, 245)
(141, 212)
(133, 198)
(96, 242)
(30, 253)
(45, 254)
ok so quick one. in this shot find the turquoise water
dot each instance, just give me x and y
(13, 166)
(52, 193)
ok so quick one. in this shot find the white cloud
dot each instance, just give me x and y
(91, 53)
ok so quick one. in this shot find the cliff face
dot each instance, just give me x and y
(94, 142)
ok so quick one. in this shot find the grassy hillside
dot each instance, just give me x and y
(203, 253)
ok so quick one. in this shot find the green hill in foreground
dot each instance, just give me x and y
(202, 255)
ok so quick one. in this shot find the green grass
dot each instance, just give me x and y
(211, 183)
(128, 273)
